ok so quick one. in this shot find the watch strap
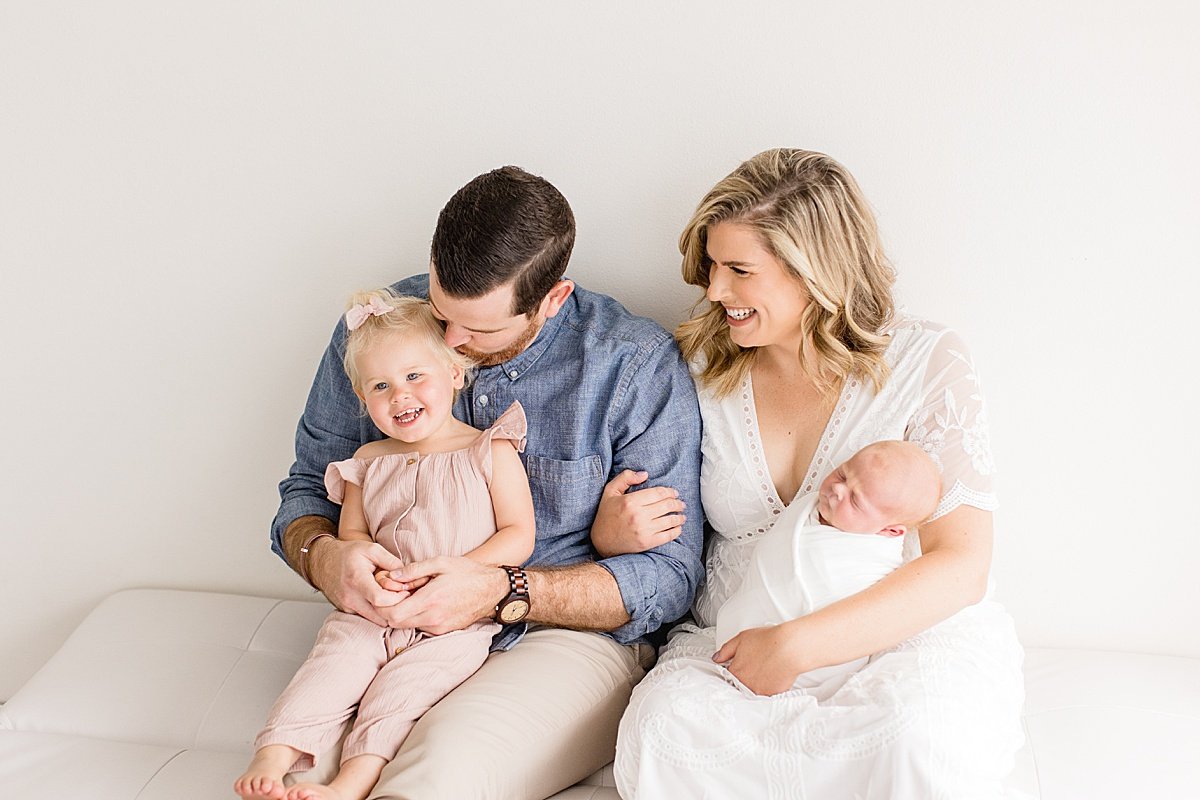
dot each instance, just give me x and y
(518, 587)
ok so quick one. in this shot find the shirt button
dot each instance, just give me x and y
(412, 461)
(398, 651)
(483, 401)
(513, 374)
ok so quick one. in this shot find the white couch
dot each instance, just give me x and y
(158, 694)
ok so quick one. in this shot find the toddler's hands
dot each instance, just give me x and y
(396, 591)
(345, 572)
(460, 592)
(385, 580)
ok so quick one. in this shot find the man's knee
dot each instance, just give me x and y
(464, 778)
(528, 724)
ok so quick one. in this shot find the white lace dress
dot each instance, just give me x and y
(937, 716)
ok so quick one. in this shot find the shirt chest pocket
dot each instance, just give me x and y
(565, 493)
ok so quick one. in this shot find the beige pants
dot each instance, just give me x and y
(527, 724)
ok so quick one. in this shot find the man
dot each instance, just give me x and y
(608, 398)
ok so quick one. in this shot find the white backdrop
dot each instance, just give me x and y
(189, 191)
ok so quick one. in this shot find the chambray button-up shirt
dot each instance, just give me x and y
(603, 391)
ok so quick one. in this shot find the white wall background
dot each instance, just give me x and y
(189, 191)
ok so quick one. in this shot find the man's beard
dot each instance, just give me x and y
(512, 351)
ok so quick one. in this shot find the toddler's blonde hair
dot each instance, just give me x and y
(409, 316)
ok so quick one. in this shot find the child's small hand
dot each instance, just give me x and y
(385, 580)
(417, 583)
(396, 591)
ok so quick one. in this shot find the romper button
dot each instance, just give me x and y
(412, 461)
(399, 650)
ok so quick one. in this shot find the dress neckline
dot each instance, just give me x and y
(820, 455)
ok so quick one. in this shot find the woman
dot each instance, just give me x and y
(801, 361)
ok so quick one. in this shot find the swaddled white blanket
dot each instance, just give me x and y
(799, 567)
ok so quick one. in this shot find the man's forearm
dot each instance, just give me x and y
(582, 597)
(299, 533)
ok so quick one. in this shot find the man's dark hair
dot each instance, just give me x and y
(504, 226)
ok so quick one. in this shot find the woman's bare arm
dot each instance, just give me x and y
(950, 575)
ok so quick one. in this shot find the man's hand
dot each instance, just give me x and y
(633, 522)
(345, 572)
(454, 592)
(761, 659)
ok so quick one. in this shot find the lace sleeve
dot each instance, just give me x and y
(951, 425)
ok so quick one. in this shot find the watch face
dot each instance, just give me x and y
(514, 611)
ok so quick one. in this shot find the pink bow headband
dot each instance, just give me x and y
(358, 312)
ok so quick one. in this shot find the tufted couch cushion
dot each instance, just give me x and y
(158, 695)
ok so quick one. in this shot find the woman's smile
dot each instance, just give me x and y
(763, 299)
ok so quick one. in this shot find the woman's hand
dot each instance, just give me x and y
(635, 521)
(950, 575)
(762, 658)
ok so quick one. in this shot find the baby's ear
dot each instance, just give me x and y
(894, 530)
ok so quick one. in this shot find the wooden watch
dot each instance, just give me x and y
(515, 606)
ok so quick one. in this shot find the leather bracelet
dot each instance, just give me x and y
(302, 567)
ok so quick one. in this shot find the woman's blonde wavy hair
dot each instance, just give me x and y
(409, 316)
(810, 214)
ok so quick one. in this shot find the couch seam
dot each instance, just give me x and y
(1108, 707)
(150, 780)
(261, 622)
(245, 649)
(1037, 769)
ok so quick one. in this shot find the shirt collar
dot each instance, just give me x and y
(517, 366)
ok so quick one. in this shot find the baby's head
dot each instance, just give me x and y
(886, 488)
(399, 364)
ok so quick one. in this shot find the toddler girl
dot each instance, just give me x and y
(434, 486)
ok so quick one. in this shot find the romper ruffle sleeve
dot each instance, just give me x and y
(339, 473)
(510, 425)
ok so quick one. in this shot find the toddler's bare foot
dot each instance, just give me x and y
(263, 779)
(312, 791)
(256, 787)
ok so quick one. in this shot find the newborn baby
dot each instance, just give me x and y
(834, 544)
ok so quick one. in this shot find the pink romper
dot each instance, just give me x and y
(417, 507)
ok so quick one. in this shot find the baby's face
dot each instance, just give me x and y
(857, 497)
